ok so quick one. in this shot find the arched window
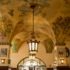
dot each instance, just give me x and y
(31, 64)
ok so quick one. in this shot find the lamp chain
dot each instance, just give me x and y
(33, 33)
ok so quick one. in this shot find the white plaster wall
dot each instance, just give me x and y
(17, 56)
(47, 58)
(23, 52)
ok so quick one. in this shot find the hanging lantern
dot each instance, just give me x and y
(33, 43)
(33, 46)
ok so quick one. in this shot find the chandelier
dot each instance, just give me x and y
(33, 43)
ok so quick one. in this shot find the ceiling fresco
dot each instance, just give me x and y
(61, 29)
(52, 21)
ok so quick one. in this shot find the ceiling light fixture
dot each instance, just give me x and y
(33, 43)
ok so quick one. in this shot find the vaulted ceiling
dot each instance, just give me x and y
(52, 21)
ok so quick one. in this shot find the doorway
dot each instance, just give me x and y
(31, 64)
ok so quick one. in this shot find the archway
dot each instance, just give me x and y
(31, 63)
